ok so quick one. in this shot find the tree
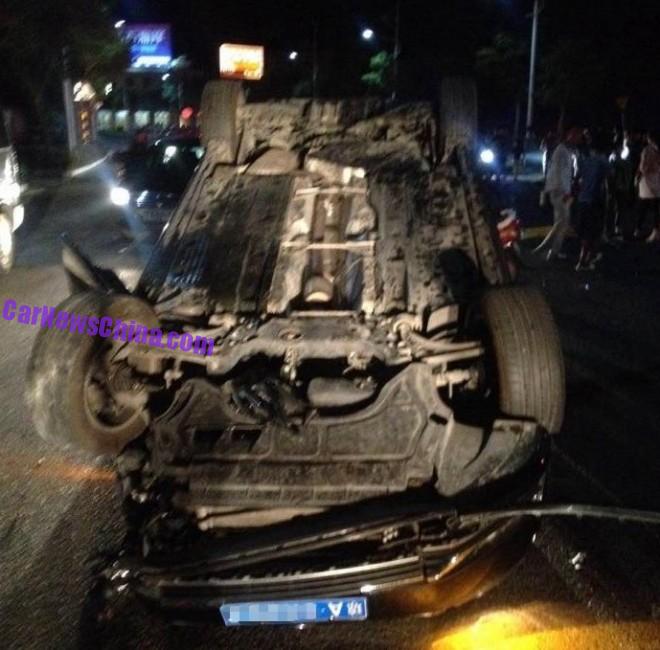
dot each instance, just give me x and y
(503, 65)
(379, 77)
(33, 35)
(573, 75)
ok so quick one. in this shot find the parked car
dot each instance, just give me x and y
(375, 373)
(151, 180)
(11, 209)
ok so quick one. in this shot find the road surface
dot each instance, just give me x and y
(585, 584)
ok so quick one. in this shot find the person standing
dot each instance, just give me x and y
(649, 187)
(593, 172)
(621, 181)
(501, 140)
(518, 157)
(559, 188)
(548, 146)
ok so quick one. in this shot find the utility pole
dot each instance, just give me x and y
(532, 70)
(397, 49)
(69, 108)
(315, 57)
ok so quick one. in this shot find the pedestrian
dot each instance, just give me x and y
(559, 189)
(501, 140)
(518, 156)
(593, 171)
(621, 182)
(648, 177)
(548, 146)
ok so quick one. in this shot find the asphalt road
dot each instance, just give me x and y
(585, 584)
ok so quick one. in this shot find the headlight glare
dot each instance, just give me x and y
(487, 156)
(120, 196)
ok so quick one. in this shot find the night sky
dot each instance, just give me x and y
(438, 37)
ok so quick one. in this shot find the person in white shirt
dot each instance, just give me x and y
(649, 187)
(559, 188)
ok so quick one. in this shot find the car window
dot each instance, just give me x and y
(171, 164)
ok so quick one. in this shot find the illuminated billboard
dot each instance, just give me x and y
(150, 45)
(245, 62)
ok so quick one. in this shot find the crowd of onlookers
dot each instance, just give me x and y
(607, 187)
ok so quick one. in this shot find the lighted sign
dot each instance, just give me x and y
(244, 62)
(150, 45)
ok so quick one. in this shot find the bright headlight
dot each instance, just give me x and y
(487, 156)
(120, 196)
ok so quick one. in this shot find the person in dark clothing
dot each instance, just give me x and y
(621, 181)
(502, 142)
(593, 172)
(518, 156)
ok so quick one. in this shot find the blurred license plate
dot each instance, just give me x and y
(295, 612)
(154, 214)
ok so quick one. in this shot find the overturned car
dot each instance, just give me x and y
(375, 371)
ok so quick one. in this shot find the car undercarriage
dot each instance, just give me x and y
(370, 347)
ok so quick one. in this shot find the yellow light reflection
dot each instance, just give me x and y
(548, 627)
(54, 468)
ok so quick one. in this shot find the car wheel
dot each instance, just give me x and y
(219, 116)
(527, 355)
(6, 245)
(458, 112)
(78, 394)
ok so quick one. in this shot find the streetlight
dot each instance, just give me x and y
(119, 24)
(367, 34)
(166, 76)
(293, 55)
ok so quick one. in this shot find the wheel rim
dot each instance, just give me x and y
(6, 244)
(99, 400)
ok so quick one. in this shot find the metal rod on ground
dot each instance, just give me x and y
(532, 72)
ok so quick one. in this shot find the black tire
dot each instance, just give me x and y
(57, 381)
(527, 353)
(458, 112)
(219, 117)
(7, 242)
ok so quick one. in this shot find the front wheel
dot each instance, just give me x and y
(527, 355)
(78, 394)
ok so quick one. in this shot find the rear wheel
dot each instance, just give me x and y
(219, 118)
(78, 394)
(458, 112)
(6, 245)
(527, 354)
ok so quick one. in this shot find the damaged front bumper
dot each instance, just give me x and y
(408, 554)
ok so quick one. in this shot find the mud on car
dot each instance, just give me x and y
(375, 371)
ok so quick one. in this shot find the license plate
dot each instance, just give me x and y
(295, 612)
(154, 214)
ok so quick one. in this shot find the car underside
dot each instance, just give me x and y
(374, 366)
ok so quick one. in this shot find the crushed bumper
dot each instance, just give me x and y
(408, 554)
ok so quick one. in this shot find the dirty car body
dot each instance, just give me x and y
(335, 251)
